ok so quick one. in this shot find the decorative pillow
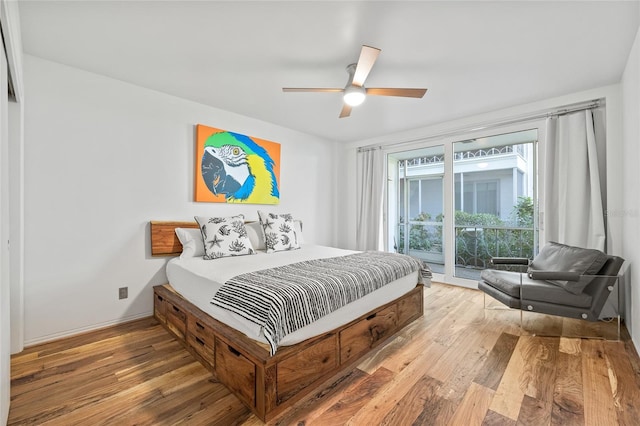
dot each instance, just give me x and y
(563, 258)
(224, 236)
(279, 232)
(191, 240)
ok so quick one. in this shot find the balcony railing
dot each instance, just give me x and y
(478, 153)
(475, 244)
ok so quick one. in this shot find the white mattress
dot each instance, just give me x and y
(197, 280)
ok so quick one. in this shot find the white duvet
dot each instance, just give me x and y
(197, 280)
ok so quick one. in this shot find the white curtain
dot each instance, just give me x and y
(573, 201)
(370, 185)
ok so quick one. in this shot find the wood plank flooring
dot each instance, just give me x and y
(458, 365)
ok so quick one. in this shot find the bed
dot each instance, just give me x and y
(268, 380)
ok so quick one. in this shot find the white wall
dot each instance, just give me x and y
(630, 212)
(102, 159)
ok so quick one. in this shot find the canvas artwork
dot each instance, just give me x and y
(235, 168)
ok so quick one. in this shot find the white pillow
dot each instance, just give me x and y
(191, 240)
(256, 235)
(298, 224)
(224, 236)
(279, 232)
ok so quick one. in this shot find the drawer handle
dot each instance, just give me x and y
(176, 309)
(233, 351)
(200, 326)
(372, 316)
(160, 298)
(200, 341)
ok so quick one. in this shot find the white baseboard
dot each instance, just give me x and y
(92, 327)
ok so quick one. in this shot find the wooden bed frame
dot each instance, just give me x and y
(270, 384)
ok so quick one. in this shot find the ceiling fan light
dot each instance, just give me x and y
(354, 95)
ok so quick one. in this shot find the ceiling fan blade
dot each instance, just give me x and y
(405, 93)
(311, 89)
(368, 56)
(346, 111)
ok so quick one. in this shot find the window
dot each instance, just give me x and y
(479, 197)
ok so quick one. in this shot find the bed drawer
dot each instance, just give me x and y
(366, 333)
(297, 372)
(201, 338)
(159, 308)
(409, 308)
(236, 371)
(202, 348)
(176, 319)
(200, 329)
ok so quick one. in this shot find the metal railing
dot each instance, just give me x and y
(475, 245)
(477, 153)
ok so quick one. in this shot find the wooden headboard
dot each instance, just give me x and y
(164, 241)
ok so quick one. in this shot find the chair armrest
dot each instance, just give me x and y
(554, 275)
(509, 261)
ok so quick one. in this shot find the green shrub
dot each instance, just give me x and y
(478, 236)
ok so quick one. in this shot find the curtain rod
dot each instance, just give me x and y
(369, 148)
(563, 110)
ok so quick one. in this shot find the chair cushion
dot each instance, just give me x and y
(532, 290)
(505, 281)
(564, 258)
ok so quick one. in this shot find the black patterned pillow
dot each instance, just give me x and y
(224, 236)
(279, 232)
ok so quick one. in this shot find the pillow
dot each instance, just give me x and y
(224, 236)
(279, 232)
(256, 235)
(298, 224)
(191, 240)
(560, 257)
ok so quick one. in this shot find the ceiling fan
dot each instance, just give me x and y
(354, 91)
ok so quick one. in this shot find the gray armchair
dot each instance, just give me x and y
(562, 280)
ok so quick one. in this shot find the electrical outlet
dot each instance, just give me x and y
(123, 292)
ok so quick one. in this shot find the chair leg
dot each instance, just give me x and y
(521, 322)
(499, 307)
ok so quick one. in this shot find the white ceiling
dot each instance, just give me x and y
(473, 56)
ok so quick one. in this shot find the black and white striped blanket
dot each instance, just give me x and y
(286, 298)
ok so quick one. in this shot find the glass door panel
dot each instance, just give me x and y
(495, 195)
(419, 197)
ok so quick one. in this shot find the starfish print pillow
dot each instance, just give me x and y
(279, 232)
(224, 236)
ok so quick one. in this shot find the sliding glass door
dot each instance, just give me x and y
(459, 203)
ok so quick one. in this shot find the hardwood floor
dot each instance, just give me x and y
(460, 365)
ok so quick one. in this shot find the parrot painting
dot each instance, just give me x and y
(237, 167)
